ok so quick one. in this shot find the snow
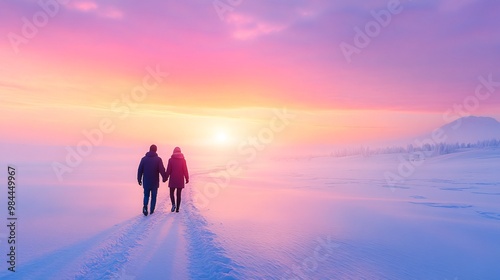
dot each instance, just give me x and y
(321, 218)
(441, 223)
(470, 130)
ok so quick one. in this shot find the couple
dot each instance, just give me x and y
(151, 167)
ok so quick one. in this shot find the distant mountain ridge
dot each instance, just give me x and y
(465, 133)
(471, 130)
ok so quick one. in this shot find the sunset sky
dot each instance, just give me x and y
(223, 67)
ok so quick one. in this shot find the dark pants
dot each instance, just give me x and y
(154, 192)
(172, 199)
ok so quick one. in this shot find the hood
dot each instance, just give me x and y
(151, 154)
(178, 155)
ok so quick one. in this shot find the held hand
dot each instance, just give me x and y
(164, 180)
(140, 183)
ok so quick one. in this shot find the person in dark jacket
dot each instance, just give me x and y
(150, 168)
(177, 171)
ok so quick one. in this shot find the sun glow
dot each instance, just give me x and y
(221, 137)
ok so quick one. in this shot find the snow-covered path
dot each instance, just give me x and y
(152, 247)
(139, 248)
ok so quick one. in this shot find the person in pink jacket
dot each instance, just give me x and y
(178, 172)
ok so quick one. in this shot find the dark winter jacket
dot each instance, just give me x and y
(150, 168)
(177, 171)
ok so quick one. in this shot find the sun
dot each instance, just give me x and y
(221, 137)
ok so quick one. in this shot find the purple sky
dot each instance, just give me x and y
(426, 60)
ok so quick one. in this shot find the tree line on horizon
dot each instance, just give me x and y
(428, 150)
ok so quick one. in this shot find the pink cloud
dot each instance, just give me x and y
(101, 11)
(112, 13)
(84, 6)
(246, 27)
(425, 59)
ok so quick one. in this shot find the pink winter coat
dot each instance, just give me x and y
(177, 171)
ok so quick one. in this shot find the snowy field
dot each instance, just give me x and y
(318, 218)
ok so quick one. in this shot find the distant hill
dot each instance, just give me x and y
(464, 133)
(471, 129)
